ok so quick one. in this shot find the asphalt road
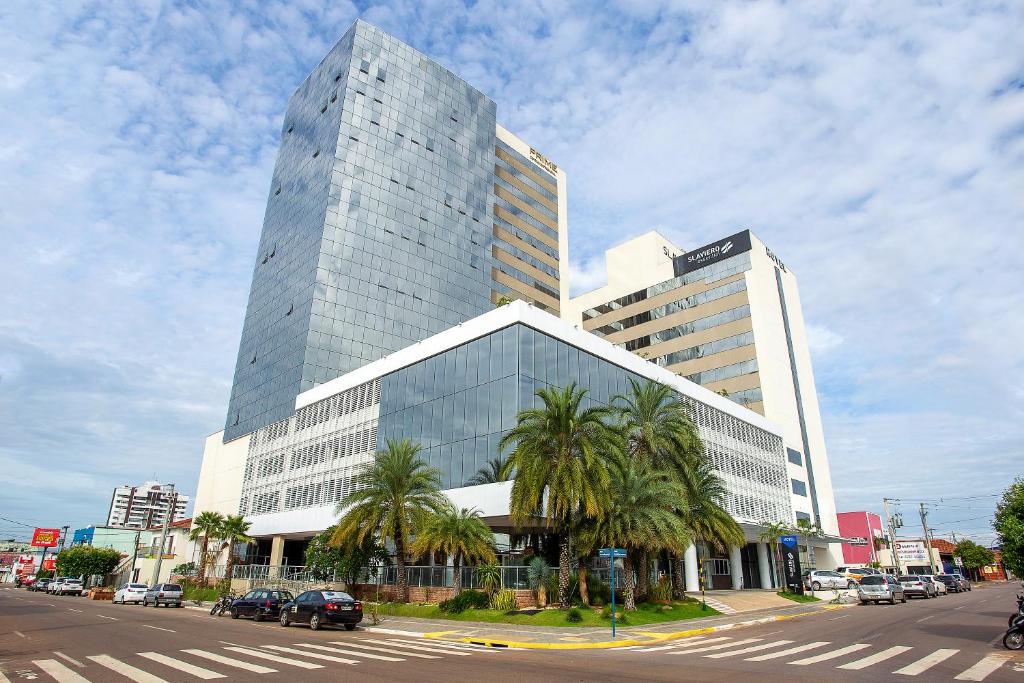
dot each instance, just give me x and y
(46, 639)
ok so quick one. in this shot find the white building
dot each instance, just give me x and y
(144, 506)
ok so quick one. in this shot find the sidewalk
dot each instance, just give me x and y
(569, 638)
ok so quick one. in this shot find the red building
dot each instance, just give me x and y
(862, 528)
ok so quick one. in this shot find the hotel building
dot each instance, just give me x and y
(727, 316)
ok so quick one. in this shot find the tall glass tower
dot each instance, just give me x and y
(379, 225)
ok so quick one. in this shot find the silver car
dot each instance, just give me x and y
(879, 587)
(163, 594)
(915, 584)
(816, 579)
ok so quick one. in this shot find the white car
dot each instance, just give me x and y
(131, 592)
(71, 587)
(816, 579)
(940, 588)
(54, 586)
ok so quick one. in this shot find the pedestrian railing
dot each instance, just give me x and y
(421, 576)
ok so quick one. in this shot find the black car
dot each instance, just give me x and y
(318, 608)
(259, 603)
(950, 582)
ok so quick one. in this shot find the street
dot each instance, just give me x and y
(68, 640)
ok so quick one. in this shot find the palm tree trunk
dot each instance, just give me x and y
(678, 579)
(643, 576)
(457, 576)
(564, 558)
(400, 580)
(229, 571)
(202, 559)
(581, 572)
(627, 585)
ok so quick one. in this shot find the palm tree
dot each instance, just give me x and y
(461, 535)
(704, 513)
(395, 494)
(770, 534)
(489, 576)
(206, 525)
(643, 516)
(234, 530)
(558, 452)
(495, 470)
(658, 431)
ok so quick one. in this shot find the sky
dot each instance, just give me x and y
(878, 149)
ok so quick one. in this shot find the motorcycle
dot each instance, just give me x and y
(1014, 637)
(223, 605)
(1020, 609)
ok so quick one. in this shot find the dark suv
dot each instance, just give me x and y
(259, 603)
(950, 582)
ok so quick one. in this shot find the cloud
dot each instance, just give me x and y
(878, 153)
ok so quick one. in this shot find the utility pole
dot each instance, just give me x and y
(63, 537)
(890, 525)
(163, 537)
(927, 538)
(135, 556)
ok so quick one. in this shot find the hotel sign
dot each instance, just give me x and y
(712, 253)
(542, 161)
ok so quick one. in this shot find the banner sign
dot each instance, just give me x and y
(911, 553)
(711, 253)
(45, 538)
(791, 564)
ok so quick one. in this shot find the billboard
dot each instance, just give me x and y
(45, 538)
(911, 552)
(711, 253)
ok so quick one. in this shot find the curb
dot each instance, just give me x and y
(651, 637)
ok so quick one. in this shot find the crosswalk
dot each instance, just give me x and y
(209, 663)
(843, 656)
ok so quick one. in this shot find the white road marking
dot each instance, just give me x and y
(126, 670)
(59, 672)
(423, 648)
(790, 651)
(339, 650)
(982, 602)
(960, 607)
(745, 650)
(102, 616)
(159, 628)
(831, 655)
(842, 616)
(70, 660)
(673, 645)
(864, 663)
(72, 609)
(389, 651)
(931, 616)
(720, 646)
(20, 634)
(197, 671)
(926, 663)
(311, 655)
(447, 646)
(390, 631)
(237, 663)
(982, 669)
(274, 658)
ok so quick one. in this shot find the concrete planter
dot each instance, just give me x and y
(100, 594)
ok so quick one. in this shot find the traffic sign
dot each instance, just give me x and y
(608, 553)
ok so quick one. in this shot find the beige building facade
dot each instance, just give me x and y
(728, 317)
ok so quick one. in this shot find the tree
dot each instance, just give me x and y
(771, 533)
(233, 530)
(1009, 524)
(205, 526)
(643, 516)
(395, 493)
(326, 559)
(705, 514)
(973, 555)
(489, 576)
(86, 561)
(558, 452)
(461, 535)
(658, 430)
(494, 471)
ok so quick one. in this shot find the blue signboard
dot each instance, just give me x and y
(788, 541)
(611, 552)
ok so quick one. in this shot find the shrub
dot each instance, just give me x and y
(620, 616)
(598, 590)
(504, 600)
(661, 591)
(574, 616)
(597, 602)
(468, 599)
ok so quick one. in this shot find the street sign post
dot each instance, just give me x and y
(612, 554)
(791, 564)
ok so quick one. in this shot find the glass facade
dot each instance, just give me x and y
(378, 226)
(457, 404)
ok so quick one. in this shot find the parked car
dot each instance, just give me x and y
(54, 585)
(163, 594)
(940, 588)
(878, 587)
(38, 585)
(914, 584)
(317, 608)
(964, 583)
(816, 579)
(950, 582)
(260, 603)
(131, 592)
(856, 573)
(71, 587)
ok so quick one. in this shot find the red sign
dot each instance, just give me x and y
(49, 565)
(45, 538)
